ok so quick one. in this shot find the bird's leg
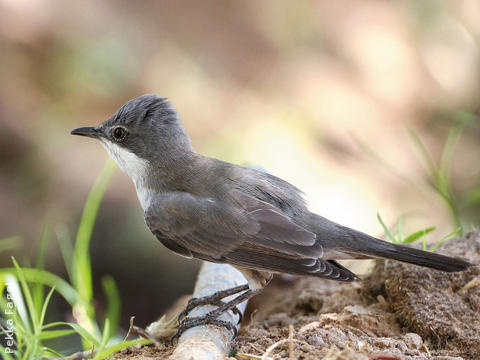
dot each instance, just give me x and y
(214, 299)
(211, 317)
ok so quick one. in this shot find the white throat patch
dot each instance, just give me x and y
(134, 166)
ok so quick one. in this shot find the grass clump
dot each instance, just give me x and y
(438, 173)
(24, 301)
(438, 177)
(397, 235)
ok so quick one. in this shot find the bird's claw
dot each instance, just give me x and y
(214, 299)
(208, 319)
(193, 304)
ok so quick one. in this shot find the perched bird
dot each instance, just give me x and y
(204, 208)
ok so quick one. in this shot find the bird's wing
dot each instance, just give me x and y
(274, 248)
(278, 231)
(205, 226)
(189, 224)
(275, 262)
(250, 233)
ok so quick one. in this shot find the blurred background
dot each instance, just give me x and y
(331, 96)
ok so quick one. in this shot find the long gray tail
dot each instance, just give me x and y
(358, 245)
(410, 255)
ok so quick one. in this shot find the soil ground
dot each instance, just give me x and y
(399, 311)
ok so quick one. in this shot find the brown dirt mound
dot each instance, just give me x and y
(436, 305)
(400, 310)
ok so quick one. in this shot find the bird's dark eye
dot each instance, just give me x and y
(119, 133)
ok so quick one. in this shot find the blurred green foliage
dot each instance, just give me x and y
(23, 295)
(439, 178)
(439, 173)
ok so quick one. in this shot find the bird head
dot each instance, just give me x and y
(144, 131)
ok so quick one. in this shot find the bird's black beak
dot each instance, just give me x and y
(92, 132)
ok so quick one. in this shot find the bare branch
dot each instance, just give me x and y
(206, 342)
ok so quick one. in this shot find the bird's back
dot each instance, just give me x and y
(225, 182)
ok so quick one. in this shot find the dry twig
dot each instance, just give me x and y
(470, 285)
(205, 342)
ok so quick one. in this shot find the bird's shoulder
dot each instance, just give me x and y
(239, 181)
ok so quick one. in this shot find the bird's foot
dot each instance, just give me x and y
(195, 302)
(211, 317)
(188, 323)
(214, 299)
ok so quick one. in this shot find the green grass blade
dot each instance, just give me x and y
(45, 305)
(105, 335)
(66, 248)
(445, 238)
(38, 294)
(439, 176)
(54, 334)
(430, 165)
(417, 235)
(29, 349)
(81, 267)
(34, 315)
(82, 272)
(388, 234)
(46, 278)
(78, 329)
(28, 299)
(446, 161)
(120, 346)
(451, 142)
(10, 243)
(114, 304)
